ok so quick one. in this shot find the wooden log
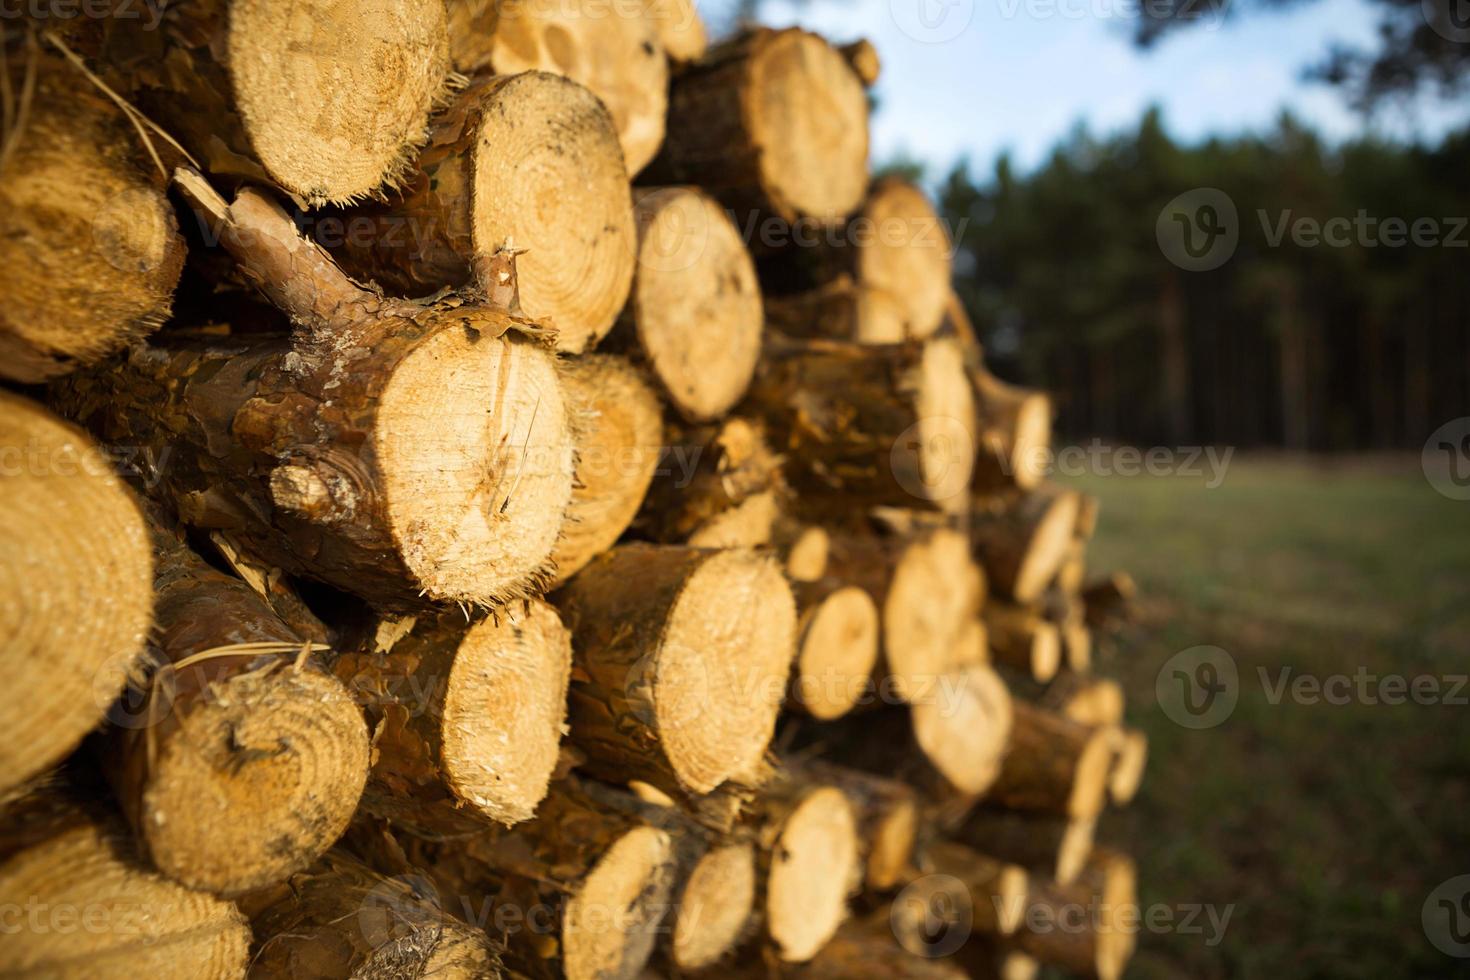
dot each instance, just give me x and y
(467, 717)
(619, 434)
(877, 426)
(1014, 434)
(948, 743)
(1052, 847)
(581, 889)
(89, 907)
(328, 100)
(682, 657)
(340, 920)
(73, 534)
(1084, 699)
(1022, 638)
(1053, 765)
(1130, 758)
(402, 451)
(806, 548)
(713, 907)
(717, 486)
(928, 590)
(616, 51)
(959, 888)
(986, 958)
(808, 866)
(888, 818)
(505, 141)
(89, 240)
(246, 759)
(774, 124)
(836, 647)
(1073, 573)
(1084, 927)
(680, 29)
(862, 947)
(862, 56)
(694, 315)
(1087, 512)
(1110, 601)
(883, 279)
(1022, 540)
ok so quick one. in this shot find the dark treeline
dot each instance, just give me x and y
(1341, 320)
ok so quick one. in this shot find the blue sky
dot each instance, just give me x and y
(975, 77)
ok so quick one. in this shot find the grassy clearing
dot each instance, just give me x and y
(1325, 825)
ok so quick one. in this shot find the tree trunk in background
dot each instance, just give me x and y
(1174, 358)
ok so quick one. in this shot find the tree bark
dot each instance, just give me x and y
(341, 920)
(741, 125)
(716, 486)
(359, 452)
(73, 533)
(245, 759)
(506, 141)
(875, 426)
(682, 657)
(1053, 765)
(88, 239)
(467, 717)
(1053, 848)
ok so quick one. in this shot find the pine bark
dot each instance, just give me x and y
(297, 447)
(245, 759)
(1053, 765)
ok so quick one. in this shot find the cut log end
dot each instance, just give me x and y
(1130, 760)
(891, 846)
(715, 906)
(806, 558)
(1074, 848)
(477, 474)
(89, 242)
(549, 141)
(608, 927)
(696, 304)
(155, 927)
(619, 426)
(962, 728)
(78, 588)
(945, 435)
(289, 749)
(730, 632)
(836, 652)
(935, 592)
(617, 55)
(815, 862)
(681, 29)
(335, 98)
(504, 709)
(748, 524)
(907, 255)
(809, 115)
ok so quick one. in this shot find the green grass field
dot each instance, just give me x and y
(1325, 826)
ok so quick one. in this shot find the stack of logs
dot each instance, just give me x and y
(500, 491)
